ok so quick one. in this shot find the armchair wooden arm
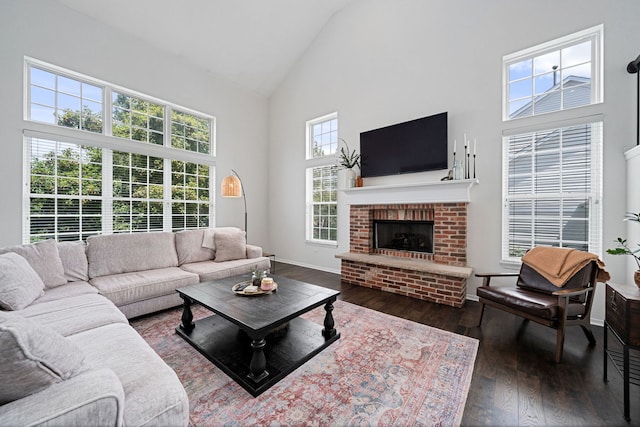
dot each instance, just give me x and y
(487, 276)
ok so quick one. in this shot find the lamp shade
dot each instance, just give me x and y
(231, 186)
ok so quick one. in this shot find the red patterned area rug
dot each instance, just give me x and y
(382, 371)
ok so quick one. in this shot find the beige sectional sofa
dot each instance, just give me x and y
(67, 353)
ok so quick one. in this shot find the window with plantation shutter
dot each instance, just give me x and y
(552, 153)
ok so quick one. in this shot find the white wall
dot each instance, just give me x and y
(380, 62)
(633, 205)
(53, 33)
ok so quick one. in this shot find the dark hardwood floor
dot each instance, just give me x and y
(515, 379)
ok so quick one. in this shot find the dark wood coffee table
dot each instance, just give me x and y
(258, 340)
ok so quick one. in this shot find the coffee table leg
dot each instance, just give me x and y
(187, 316)
(258, 363)
(329, 330)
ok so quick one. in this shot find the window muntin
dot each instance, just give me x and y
(137, 119)
(65, 190)
(322, 136)
(64, 101)
(323, 203)
(555, 76)
(553, 189)
(190, 132)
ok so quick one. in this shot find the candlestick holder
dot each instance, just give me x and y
(474, 165)
(467, 167)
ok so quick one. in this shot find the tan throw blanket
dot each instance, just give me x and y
(558, 265)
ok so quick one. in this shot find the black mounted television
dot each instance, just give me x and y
(415, 146)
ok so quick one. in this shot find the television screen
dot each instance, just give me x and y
(414, 146)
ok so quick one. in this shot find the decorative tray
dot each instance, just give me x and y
(239, 289)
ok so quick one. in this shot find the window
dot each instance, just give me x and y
(555, 76)
(137, 192)
(322, 180)
(189, 195)
(322, 136)
(111, 179)
(552, 196)
(64, 101)
(323, 203)
(65, 195)
(552, 160)
(137, 119)
(189, 132)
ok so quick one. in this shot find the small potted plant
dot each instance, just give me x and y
(624, 249)
(348, 160)
(257, 276)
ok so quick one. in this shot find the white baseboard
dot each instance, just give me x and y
(300, 264)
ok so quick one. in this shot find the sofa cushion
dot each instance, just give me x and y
(72, 315)
(211, 270)
(125, 253)
(189, 247)
(44, 259)
(137, 286)
(74, 261)
(20, 285)
(154, 395)
(71, 289)
(230, 245)
(33, 357)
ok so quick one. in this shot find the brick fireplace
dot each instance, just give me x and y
(439, 276)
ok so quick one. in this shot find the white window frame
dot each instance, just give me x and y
(109, 143)
(585, 114)
(327, 160)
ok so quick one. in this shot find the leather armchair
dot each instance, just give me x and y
(535, 298)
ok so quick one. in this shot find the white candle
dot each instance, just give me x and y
(474, 146)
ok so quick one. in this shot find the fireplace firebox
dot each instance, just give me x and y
(412, 236)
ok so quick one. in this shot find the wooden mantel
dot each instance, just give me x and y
(425, 192)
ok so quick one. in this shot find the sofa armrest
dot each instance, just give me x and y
(254, 251)
(94, 397)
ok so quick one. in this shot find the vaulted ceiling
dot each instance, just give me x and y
(253, 43)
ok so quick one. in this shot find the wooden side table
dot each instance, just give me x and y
(622, 318)
(272, 260)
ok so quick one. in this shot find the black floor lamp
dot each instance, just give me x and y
(232, 187)
(632, 68)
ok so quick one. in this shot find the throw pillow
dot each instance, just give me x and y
(189, 245)
(44, 259)
(33, 356)
(74, 261)
(20, 285)
(230, 244)
(208, 238)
